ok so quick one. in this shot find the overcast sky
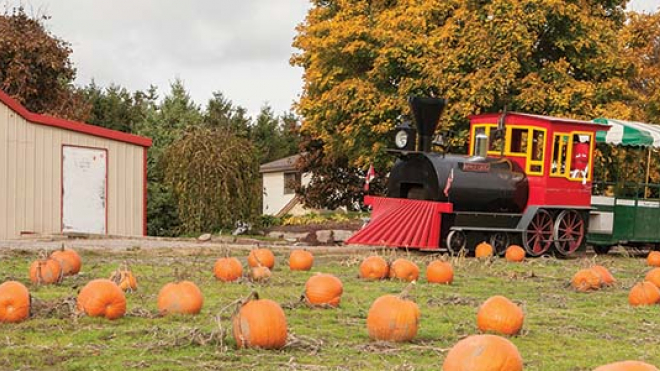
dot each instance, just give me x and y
(239, 47)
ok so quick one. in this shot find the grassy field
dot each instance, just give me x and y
(563, 330)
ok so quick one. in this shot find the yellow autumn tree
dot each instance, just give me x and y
(362, 59)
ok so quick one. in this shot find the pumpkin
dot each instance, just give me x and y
(586, 280)
(183, 298)
(392, 318)
(262, 257)
(483, 250)
(69, 260)
(439, 272)
(404, 269)
(644, 293)
(260, 274)
(483, 353)
(46, 271)
(514, 253)
(653, 276)
(228, 269)
(124, 278)
(14, 302)
(653, 259)
(606, 277)
(102, 298)
(374, 268)
(627, 366)
(500, 315)
(260, 324)
(301, 260)
(323, 289)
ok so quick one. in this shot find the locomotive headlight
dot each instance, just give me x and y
(401, 139)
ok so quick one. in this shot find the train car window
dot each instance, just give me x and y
(536, 153)
(494, 141)
(580, 156)
(518, 141)
(559, 155)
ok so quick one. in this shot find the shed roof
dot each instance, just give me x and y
(281, 165)
(79, 127)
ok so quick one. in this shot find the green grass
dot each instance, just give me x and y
(563, 330)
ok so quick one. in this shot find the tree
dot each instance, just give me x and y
(222, 114)
(274, 137)
(640, 40)
(214, 177)
(362, 59)
(35, 67)
(116, 108)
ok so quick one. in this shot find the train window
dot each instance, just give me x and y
(494, 140)
(518, 141)
(559, 155)
(538, 145)
(580, 156)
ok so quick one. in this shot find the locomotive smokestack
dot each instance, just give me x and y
(426, 112)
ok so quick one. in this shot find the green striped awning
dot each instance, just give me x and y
(628, 133)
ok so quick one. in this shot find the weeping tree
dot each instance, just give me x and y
(214, 177)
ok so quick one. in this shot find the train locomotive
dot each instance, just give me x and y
(526, 180)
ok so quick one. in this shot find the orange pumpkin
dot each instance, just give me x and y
(14, 302)
(653, 276)
(69, 260)
(260, 324)
(124, 278)
(515, 253)
(653, 259)
(301, 260)
(484, 250)
(644, 293)
(483, 353)
(404, 270)
(392, 318)
(228, 269)
(374, 268)
(439, 272)
(102, 298)
(46, 271)
(259, 274)
(605, 276)
(627, 366)
(500, 315)
(262, 257)
(183, 298)
(324, 289)
(586, 280)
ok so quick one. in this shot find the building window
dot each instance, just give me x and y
(291, 182)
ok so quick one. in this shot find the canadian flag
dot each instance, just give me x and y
(371, 174)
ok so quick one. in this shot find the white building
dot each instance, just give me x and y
(61, 176)
(280, 179)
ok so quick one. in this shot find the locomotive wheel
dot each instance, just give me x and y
(568, 232)
(537, 238)
(456, 242)
(500, 241)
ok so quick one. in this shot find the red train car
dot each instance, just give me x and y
(526, 179)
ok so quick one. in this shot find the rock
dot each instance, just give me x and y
(324, 236)
(205, 237)
(294, 237)
(275, 234)
(341, 235)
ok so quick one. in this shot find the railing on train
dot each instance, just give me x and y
(627, 191)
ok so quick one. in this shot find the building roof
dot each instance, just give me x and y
(79, 127)
(281, 165)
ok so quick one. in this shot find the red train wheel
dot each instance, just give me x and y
(537, 238)
(568, 232)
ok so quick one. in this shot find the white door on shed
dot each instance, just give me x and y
(84, 174)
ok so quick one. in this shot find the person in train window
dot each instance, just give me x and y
(580, 160)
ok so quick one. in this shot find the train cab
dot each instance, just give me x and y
(555, 153)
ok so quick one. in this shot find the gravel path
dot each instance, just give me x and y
(119, 244)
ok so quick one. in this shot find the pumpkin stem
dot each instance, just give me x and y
(405, 293)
